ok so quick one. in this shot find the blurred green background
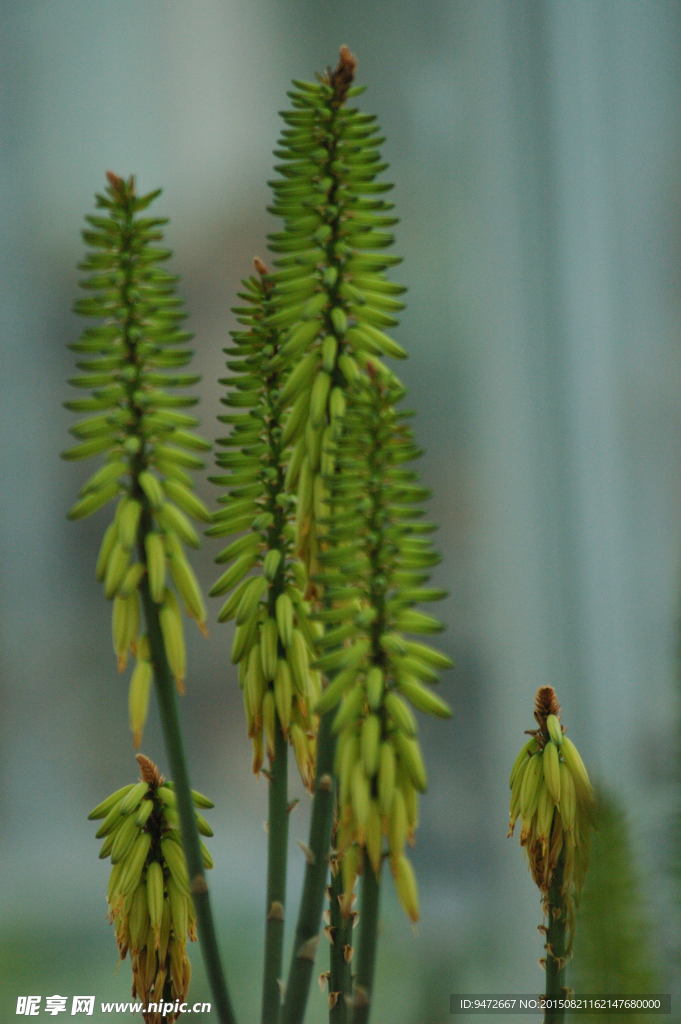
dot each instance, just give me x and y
(536, 147)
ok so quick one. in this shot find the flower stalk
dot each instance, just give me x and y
(129, 361)
(331, 303)
(552, 795)
(273, 639)
(556, 944)
(341, 950)
(277, 846)
(306, 937)
(191, 844)
(362, 996)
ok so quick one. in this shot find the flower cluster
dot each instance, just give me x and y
(130, 361)
(149, 897)
(273, 639)
(552, 795)
(374, 573)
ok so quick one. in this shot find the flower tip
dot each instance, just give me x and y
(346, 60)
(114, 180)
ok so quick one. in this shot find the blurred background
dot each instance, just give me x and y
(536, 150)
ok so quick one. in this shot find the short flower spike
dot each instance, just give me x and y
(149, 901)
(552, 795)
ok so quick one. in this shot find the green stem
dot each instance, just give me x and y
(555, 945)
(366, 953)
(277, 848)
(341, 938)
(170, 721)
(314, 882)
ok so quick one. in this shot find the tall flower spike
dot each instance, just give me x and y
(131, 361)
(330, 299)
(149, 901)
(552, 795)
(273, 639)
(373, 575)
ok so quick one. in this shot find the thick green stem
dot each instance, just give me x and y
(277, 847)
(314, 882)
(366, 953)
(555, 946)
(170, 721)
(339, 955)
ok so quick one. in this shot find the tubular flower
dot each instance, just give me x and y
(131, 361)
(552, 795)
(331, 301)
(149, 899)
(373, 574)
(273, 638)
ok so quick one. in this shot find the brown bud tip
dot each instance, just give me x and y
(148, 770)
(347, 953)
(545, 703)
(346, 59)
(260, 266)
(114, 180)
(343, 75)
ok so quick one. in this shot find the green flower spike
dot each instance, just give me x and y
(273, 639)
(331, 301)
(149, 901)
(552, 795)
(131, 361)
(373, 575)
